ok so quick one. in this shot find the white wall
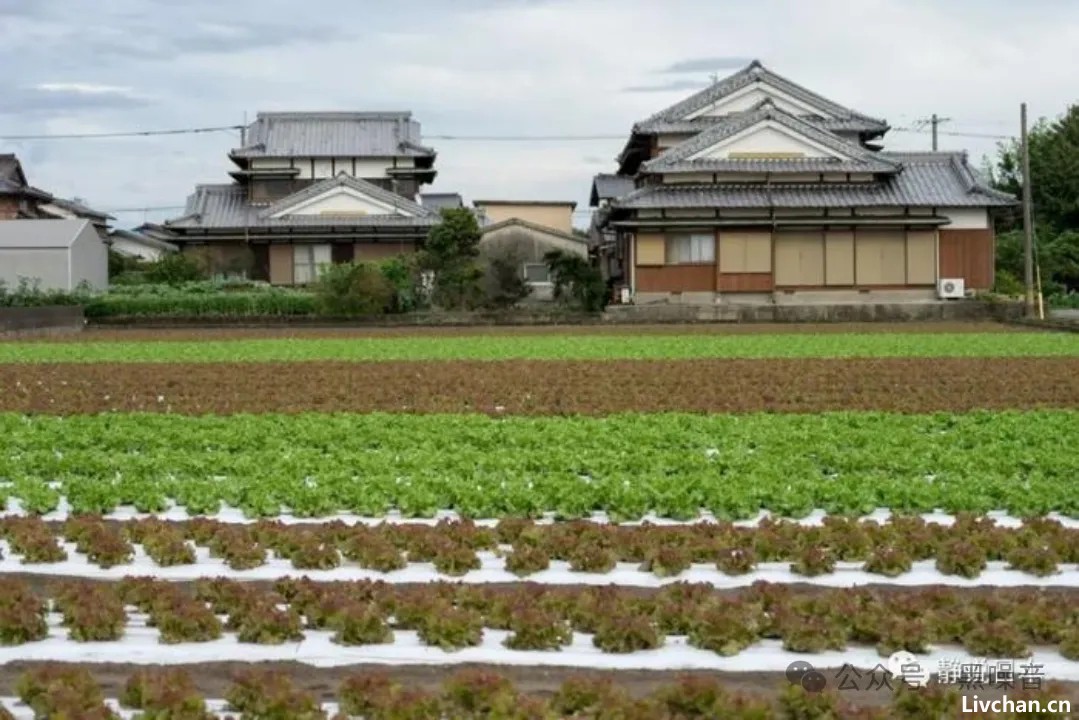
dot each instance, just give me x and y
(750, 95)
(766, 137)
(965, 218)
(89, 258)
(48, 265)
(327, 167)
(342, 200)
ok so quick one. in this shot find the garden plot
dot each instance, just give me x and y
(483, 519)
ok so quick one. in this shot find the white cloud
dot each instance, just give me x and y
(84, 88)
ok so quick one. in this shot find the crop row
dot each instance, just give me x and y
(539, 387)
(673, 464)
(454, 616)
(888, 549)
(552, 347)
(70, 691)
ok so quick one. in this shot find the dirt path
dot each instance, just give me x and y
(535, 387)
(128, 334)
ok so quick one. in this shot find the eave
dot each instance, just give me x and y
(815, 221)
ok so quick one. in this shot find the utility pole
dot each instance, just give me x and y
(243, 132)
(935, 121)
(1028, 225)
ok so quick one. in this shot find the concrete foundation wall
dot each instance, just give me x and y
(50, 320)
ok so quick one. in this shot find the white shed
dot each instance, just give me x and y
(57, 254)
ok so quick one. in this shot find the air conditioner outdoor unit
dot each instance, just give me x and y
(951, 288)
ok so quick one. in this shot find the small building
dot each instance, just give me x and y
(53, 254)
(525, 231)
(311, 189)
(759, 190)
(140, 245)
(20, 200)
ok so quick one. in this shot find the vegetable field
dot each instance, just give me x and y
(516, 524)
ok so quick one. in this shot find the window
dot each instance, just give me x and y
(691, 248)
(537, 273)
(307, 260)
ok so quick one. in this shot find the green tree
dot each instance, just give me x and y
(504, 284)
(576, 283)
(1054, 171)
(354, 288)
(451, 253)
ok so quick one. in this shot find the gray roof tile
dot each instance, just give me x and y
(226, 206)
(607, 187)
(343, 180)
(940, 180)
(333, 134)
(752, 73)
(677, 158)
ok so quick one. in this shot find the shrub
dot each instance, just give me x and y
(360, 624)
(576, 283)
(526, 558)
(450, 628)
(356, 288)
(625, 632)
(537, 629)
(725, 627)
(173, 269)
(504, 284)
(961, 557)
(888, 560)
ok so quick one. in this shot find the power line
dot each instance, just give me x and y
(955, 133)
(145, 209)
(131, 133)
(523, 138)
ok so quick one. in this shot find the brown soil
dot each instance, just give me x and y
(214, 679)
(536, 387)
(106, 334)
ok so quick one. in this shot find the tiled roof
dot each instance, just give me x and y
(333, 134)
(753, 73)
(343, 180)
(940, 180)
(144, 239)
(678, 158)
(226, 206)
(608, 187)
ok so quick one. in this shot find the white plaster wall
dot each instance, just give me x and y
(765, 137)
(749, 96)
(966, 218)
(89, 259)
(47, 265)
(342, 200)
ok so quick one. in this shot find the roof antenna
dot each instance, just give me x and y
(243, 131)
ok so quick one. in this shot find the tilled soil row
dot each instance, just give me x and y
(537, 387)
(129, 334)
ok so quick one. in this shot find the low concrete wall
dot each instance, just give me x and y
(618, 314)
(816, 313)
(48, 320)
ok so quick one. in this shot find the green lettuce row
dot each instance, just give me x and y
(549, 347)
(627, 465)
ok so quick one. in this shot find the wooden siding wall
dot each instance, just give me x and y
(677, 278)
(968, 254)
(281, 264)
(369, 251)
(861, 258)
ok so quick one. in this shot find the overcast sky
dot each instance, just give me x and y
(499, 67)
